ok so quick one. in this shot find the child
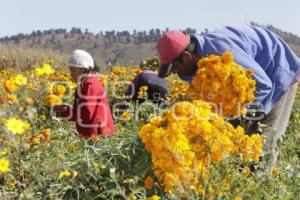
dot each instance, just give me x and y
(91, 110)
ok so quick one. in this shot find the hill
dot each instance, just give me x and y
(110, 47)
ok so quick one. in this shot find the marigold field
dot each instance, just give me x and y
(182, 150)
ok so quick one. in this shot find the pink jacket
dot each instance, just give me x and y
(91, 110)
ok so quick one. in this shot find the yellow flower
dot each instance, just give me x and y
(52, 100)
(72, 85)
(45, 69)
(47, 135)
(246, 171)
(75, 173)
(142, 92)
(126, 116)
(129, 181)
(12, 183)
(50, 61)
(16, 126)
(150, 64)
(43, 117)
(102, 166)
(36, 139)
(95, 165)
(148, 183)
(64, 173)
(132, 197)
(70, 147)
(13, 98)
(104, 79)
(238, 198)
(274, 171)
(135, 70)
(154, 197)
(59, 90)
(10, 86)
(118, 70)
(4, 165)
(20, 80)
(95, 138)
(4, 152)
(120, 128)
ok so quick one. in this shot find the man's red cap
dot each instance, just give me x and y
(170, 46)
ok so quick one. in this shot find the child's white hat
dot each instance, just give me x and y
(81, 59)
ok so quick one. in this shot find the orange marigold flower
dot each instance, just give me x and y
(51, 100)
(47, 135)
(148, 183)
(29, 101)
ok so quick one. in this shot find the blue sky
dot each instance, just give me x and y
(100, 15)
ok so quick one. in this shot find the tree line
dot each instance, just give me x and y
(125, 36)
(111, 36)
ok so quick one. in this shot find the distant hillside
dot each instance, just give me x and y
(110, 47)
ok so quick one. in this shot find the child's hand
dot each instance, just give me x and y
(59, 108)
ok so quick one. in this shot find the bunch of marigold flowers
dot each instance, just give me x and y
(221, 81)
(188, 138)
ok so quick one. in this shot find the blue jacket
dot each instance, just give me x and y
(274, 64)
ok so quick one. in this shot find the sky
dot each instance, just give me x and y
(25, 16)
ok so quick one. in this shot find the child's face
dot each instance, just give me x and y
(75, 73)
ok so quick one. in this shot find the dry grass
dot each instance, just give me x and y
(21, 58)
